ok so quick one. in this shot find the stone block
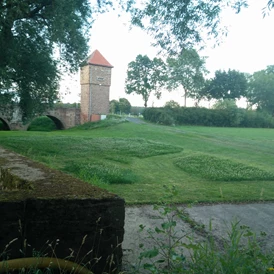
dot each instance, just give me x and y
(62, 211)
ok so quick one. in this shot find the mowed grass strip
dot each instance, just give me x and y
(218, 169)
(136, 161)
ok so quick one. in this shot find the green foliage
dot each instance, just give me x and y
(137, 110)
(219, 169)
(176, 25)
(42, 124)
(172, 104)
(159, 116)
(175, 251)
(251, 118)
(145, 76)
(122, 106)
(114, 106)
(99, 173)
(226, 85)
(151, 158)
(111, 121)
(225, 104)
(261, 90)
(31, 32)
(187, 71)
(225, 114)
(66, 105)
(241, 253)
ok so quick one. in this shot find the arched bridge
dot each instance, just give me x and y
(62, 117)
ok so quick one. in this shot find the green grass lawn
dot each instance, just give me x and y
(140, 162)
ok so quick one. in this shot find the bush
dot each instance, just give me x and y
(42, 124)
(218, 169)
(237, 252)
(253, 118)
(220, 117)
(109, 174)
(137, 110)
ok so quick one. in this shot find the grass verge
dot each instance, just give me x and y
(135, 161)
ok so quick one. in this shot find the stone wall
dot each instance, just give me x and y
(99, 99)
(68, 117)
(40, 206)
(95, 83)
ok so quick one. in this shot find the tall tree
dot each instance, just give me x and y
(124, 105)
(114, 106)
(187, 71)
(37, 38)
(145, 76)
(229, 84)
(261, 90)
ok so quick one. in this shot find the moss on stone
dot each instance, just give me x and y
(32, 180)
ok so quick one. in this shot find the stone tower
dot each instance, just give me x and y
(95, 80)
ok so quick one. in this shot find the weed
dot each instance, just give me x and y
(219, 169)
(42, 124)
(149, 152)
(46, 259)
(174, 251)
(101, 173)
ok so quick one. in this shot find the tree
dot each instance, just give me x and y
(261, 90)
(37, 39)
(226, 85)
(225, 104)
(180, 24)
(172, 104)
(114, 106)
(145, 76)
(187, 71)
(124, 105)
(121, 106)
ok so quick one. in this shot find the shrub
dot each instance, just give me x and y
(217, 169)
(219, 117)
(137, 110)
(42, 124)
(98, 173)
(237, 252)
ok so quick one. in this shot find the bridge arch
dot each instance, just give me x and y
(5, 124)
(58, 123)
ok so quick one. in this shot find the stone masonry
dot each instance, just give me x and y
(95, 79)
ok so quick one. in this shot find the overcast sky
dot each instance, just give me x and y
(248, 47)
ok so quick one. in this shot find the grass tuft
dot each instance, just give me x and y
(99, 124)
(42, 124)
(218, 169)
(102, 173)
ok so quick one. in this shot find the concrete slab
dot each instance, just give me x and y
(259, 217)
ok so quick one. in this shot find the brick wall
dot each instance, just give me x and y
(95, 83)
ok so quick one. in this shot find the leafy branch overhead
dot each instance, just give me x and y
(179, 24)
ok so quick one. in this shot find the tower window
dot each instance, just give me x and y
(100, 78)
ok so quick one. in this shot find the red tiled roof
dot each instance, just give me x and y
(96, 58)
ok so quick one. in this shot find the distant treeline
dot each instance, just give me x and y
(230, 117)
